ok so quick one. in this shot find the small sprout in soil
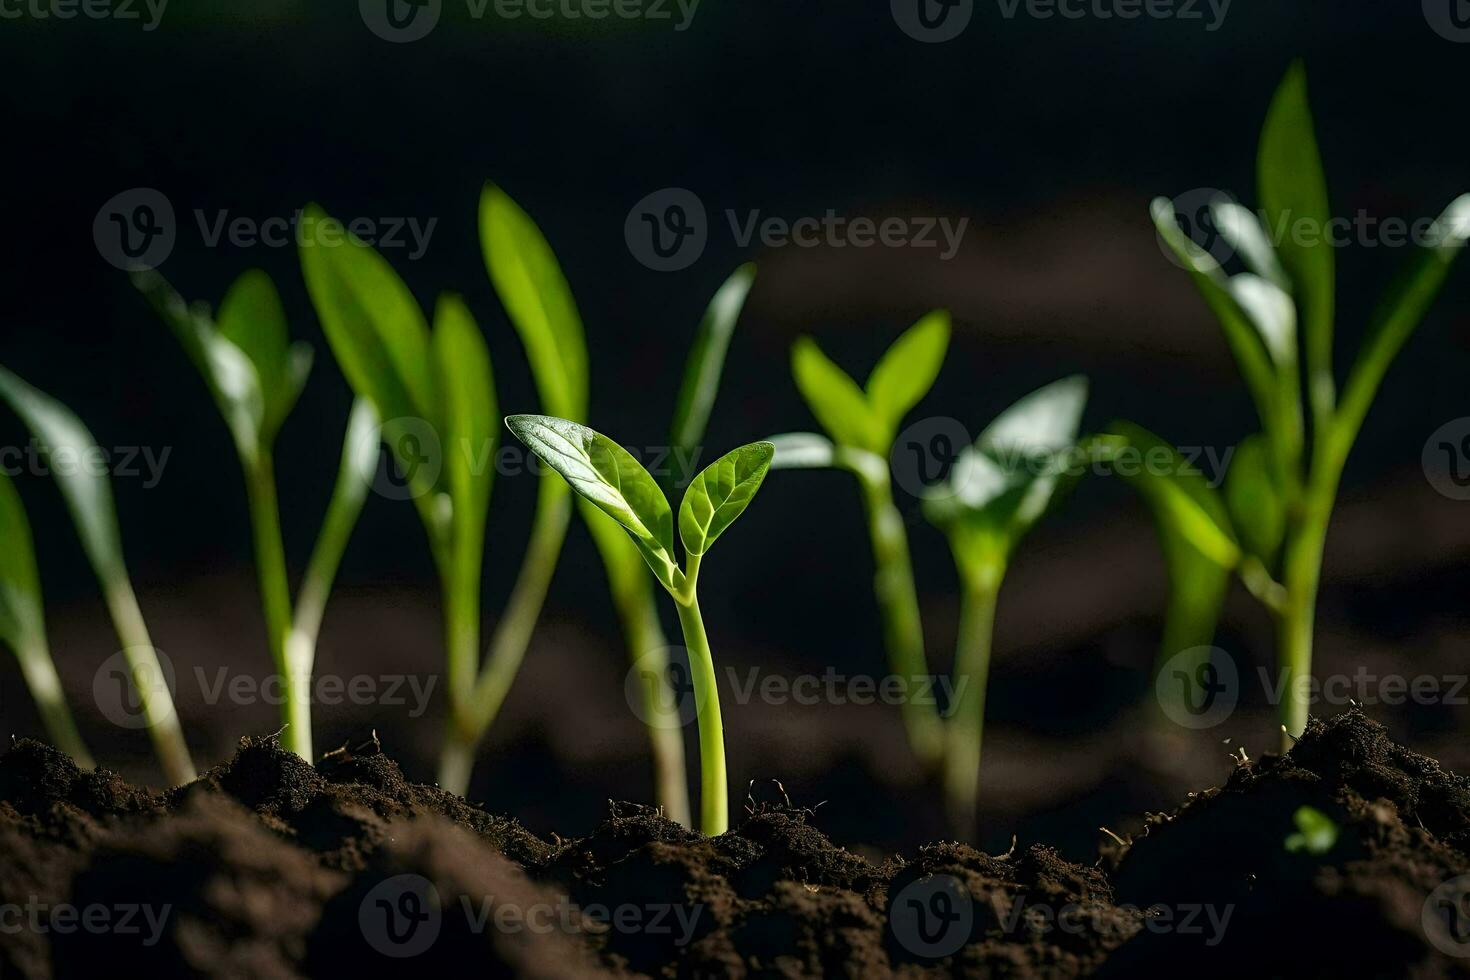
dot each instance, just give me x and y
(255, 375)
(88, 496)
(1316, 834)
(606, 474)
(996, 492)
(861, 425)
(1279, 320)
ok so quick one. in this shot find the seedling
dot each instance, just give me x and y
(997, 490)
(608, 476)
(1315, 834)
(255, 375)
(861, 424)
(88, 497)
(23, 625)
(1278, 318)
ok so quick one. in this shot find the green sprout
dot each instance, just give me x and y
(608, 476)
(255, 376)
(23, 625)
(997, 490)
(88, 497)
(861, 424)
(1278, 319)
(1315, 834)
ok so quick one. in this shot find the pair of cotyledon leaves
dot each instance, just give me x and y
(616, 483)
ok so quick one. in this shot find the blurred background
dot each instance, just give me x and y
(1047, 136)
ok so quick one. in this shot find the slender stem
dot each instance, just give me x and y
(1302, 565)
(316, 584)
(648, 647)
(461, 586)
(714, 786)
(275, 593)
(898, 606)
(151, 682)
(40, 676)
(966, 725)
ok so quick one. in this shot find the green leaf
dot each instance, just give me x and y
(706, 362)
(1257, 506)
(22, 619)
(1186, 509)
(84, 486)
(720, 493)
(607, 474)
(802, 451)
(835, 399)
(1242, 230)
(1271, 310)
(535, 294)
(252, 318)
(1316, 834)
(1293, 189)
(1043, 423)
(373, 324)
(470, 431)
(907, 371)
(1402, 309)
(232, 379)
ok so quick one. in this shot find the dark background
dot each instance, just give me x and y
(1049, 135)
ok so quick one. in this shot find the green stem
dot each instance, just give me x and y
(648, 648)
(966, 726)
(40, 676)
(714, 787)
(1302, 571)
(275, 592)
(150, 681)
(898, 607)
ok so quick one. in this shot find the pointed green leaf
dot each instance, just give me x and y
(835, 399)
(802, 451)
(720, 493)
(373, 324)
(22, 620)
(252, 318)
(1043, 423)
(535, 294)
(1293, 190)
(1182, 500)
(82, 479)
(907, 370)
(466, 386)
(706, 362)
(1257, 507)
(1242, 230)
(1271, 310)
(606, 474)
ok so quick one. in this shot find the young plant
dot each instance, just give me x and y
(1278, 318)
(608, 476)
(861, 424)
(23, 625)
(255, 375)
(997, 490)
(88, 497)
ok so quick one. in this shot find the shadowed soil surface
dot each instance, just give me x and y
(267, 866)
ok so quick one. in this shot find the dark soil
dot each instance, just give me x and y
(269, 867)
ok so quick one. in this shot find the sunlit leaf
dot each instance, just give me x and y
(802, 451)
(470, 429)
(907, 371)
(1257, 507)
(1184, 504)
(707, 361)
(1242, 230)
(252, 318)
(720, 493)
(835, 399)
(22, 620)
